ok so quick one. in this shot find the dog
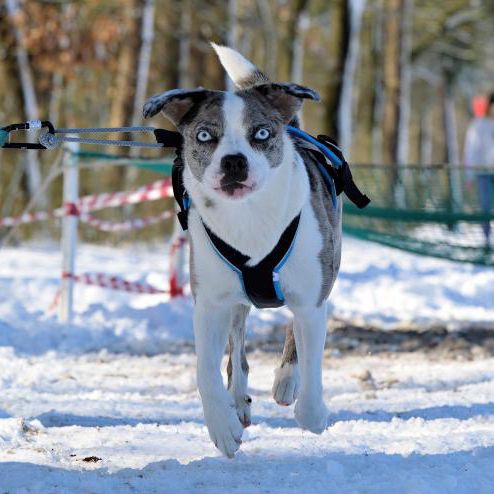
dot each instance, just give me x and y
(247, 181)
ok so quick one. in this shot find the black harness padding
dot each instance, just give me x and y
(174, 139)
(260, 282)
(169, 138)
(179, 191)
(342, 175)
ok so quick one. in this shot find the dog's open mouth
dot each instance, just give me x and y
(234, 189)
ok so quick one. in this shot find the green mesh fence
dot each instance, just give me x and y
(163, 166)
(439, 210)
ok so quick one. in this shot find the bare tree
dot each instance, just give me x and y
(31, 111)
(338, 52)
(405, 83)
(231, 35)
(392, 78)
(345, 110)
(294, 34)
(377, 78)
(144, 61)
(452, 151)
(270, 38)
(301, 23)
(124, 91)
(184, 44)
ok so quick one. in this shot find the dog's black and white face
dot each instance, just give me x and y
(232, 141)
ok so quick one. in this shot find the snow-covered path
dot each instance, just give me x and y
(398, 424)
(377, 286)
(117, 387)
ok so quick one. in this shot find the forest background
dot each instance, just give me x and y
(396, 77)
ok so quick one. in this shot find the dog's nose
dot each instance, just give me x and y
(234, 166)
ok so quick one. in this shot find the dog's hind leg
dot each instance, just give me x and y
(286, 377)
(238, 368)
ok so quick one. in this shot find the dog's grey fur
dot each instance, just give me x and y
(289, 350)
(329, 220)
(259, 113)
(237, 342)
(207, 115)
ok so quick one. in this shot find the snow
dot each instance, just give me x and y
(118, 386)
(426, 427)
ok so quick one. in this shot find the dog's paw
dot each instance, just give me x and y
(285, 386)
(311, 416)
(224, 427)
(242, 404)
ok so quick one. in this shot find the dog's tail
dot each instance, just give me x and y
(243, 73)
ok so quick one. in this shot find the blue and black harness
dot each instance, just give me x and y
(261, 282)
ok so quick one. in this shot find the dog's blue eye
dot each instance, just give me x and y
(204, 136)
(262, 134)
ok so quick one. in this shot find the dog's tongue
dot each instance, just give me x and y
(231, 187)
(235, 189)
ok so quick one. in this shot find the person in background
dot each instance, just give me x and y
(479, 152)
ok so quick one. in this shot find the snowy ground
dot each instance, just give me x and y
(117, 387)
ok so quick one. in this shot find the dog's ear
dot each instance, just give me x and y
(287, 98)
(174, 104)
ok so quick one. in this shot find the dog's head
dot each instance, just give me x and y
(233, 141)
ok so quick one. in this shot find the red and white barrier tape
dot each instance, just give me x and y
(106, 281)
(113, 282)
(157, 190)
(109, 226)
(151, 192)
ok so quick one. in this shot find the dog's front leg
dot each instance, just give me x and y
(211, 327)
(310, 335)
(238, 368)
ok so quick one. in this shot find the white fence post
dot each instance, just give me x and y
(69, 230)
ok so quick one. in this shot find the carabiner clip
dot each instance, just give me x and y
(30, 125)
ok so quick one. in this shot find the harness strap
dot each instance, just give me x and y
(169, 138)
(343, 176)
(260, 282)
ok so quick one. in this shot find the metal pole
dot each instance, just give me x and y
(69, 230)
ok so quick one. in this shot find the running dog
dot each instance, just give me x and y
(249, 183)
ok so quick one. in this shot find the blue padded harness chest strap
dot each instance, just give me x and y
(260, 282)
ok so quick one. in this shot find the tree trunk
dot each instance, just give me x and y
(144, 61)
(338, 51)
(345, 110)
(302, 23)
(231, 36)
(425, 136)
(452, 152)
(184, 45)
(56, 91)
(405, 83)
(33, 171)
(392, 79)
(270, 41)
(377, 94)
(122, 105)
(293, 34)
